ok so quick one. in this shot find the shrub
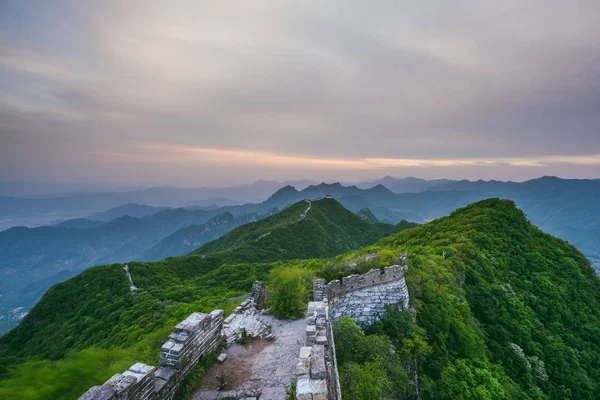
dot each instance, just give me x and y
(286, 293)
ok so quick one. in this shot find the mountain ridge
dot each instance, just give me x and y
(490, 291)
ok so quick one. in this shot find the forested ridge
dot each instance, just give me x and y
(89, 327)
(503, 310)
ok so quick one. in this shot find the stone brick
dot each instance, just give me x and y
(195, 336)
(317, 362)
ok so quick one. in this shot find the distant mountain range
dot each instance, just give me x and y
(503, 310)
(566, 208)
(130, 209)
(318, 228)
(32, 259)
(51, 209)
(404, 185)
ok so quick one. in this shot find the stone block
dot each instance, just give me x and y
(303, 389)
(321, 339)
(191, 323)
(164, 373)
(303, 366)
(176, 350)
(319, 387)
(318, 369)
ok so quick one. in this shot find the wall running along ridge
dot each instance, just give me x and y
(196, 336)
(362, 297)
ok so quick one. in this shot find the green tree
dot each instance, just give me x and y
(286, 293)
(363, 382)
(463, 381)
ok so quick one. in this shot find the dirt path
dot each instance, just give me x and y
(267, 366)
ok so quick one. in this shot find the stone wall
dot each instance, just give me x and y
(319, 290)
(246, 317)
(353, 283)
(316, 372)
(259, 295)
(364, 297)
(193, 338)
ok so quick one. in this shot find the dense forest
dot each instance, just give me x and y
(503, 310)
(89, 327)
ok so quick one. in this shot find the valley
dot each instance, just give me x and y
(33, 259)
(476, 275)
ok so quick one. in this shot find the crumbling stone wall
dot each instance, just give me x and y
(316, 372)
(364, 297)
(259, 295)
(319, 290)
(245, 317)
(193, 338)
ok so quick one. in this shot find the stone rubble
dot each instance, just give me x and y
(245, 318)
(302, 350)
(193, 338)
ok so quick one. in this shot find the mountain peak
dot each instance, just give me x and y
(366, 215)
(284, 191)
(380, 188)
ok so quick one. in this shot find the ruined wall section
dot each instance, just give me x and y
(319, 290)
(316, 373)
(364, 297)
(196, 336)
(258, 294)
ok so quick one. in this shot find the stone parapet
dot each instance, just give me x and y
(259, 295)
(353, 283)
(316, 371)
(319, 290)
(192, 339)
(368, 304)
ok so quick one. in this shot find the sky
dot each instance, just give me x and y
(189, 93)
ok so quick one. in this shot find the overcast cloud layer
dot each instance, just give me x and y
(195, 92)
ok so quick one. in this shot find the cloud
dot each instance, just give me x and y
(186, 155)
(385, 84)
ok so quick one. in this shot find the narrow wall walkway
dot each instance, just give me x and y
(261, 367)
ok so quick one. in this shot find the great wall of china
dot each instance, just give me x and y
(363, 297)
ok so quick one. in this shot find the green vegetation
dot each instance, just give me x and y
(287, 293)
(503, 311)
(509, 312)
(46, 379)
(94, 316)
(327, 230)
(194, 379)
(369, 369)
(373, 364)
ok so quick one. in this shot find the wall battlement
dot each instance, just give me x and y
(192, 339)
(353, 283)
(317, 376)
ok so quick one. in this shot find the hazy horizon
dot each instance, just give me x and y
(36, 188)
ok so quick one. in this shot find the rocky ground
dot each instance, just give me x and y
(259, 368)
